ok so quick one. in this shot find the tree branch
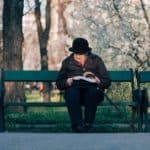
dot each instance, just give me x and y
(30, 8)
(37, 12)
(48, 21)
(117, 10)
(145, 14)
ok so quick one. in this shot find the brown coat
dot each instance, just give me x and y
(71, 68)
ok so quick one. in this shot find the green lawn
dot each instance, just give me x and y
(56, 119)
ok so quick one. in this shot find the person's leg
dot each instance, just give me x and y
(92, 96)
(72, 97)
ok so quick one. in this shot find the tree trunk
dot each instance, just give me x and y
(60, 34)
(43, 36)
(1, 51)
(12, 46)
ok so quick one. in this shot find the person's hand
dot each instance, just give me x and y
(97, 80)
(69, 81)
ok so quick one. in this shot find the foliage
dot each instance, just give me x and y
(118, 30)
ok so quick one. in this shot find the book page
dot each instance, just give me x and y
(84, 78)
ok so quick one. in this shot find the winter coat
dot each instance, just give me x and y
(70, 68)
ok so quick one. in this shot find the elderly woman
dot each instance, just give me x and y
(84, 77)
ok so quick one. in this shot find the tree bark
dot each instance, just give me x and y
(1, 48)
(43, 36)
(61, 18)
(60, 34)
(145, 15)
(12, 46)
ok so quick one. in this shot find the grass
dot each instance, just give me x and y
(34, 97)
(56, 119)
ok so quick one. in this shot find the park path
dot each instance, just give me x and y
(69, 141)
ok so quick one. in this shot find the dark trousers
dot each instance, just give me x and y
(89, 96)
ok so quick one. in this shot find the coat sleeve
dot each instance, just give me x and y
(102, 74)
(62, 77)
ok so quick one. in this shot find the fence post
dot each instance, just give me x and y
(2, 120)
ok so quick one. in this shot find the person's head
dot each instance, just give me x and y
(80, 46)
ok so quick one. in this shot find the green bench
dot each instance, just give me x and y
(142, 77)
(50, 76)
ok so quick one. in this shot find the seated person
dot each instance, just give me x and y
(72, 78)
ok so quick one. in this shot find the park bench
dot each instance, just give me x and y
(142, 77)
(50, 76)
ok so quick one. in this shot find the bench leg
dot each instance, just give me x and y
(2, 120)
(146, 119)
(145, 108)
(143, 111)
(140, 118)
(133, 118)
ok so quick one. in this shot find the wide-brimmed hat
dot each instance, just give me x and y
(80, 45)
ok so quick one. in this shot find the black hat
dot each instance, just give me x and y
(80, 45)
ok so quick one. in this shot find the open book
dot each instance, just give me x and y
(84, 78)
(87, 76)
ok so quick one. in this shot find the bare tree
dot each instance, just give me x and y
(12, 46)
(118, 30)
(60, 33)
(1, 51)
(43, 36)
(145, 14)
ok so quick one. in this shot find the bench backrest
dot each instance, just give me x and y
(23, 75)
(121, 76)
(20, 75)
(142, 77)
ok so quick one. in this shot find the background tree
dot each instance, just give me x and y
(1, 51)
(12, 46)
(118, 30)
(43, 36)
(58, 43)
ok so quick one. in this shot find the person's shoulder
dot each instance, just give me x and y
(67, 59)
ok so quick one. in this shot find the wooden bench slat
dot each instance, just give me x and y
(19, 75)
(121, 76)
(28, 75)
(58, 104)
(35, 104)
(144, 76)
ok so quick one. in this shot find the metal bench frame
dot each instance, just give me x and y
(142, 77)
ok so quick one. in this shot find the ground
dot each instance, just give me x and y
(66, 141)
